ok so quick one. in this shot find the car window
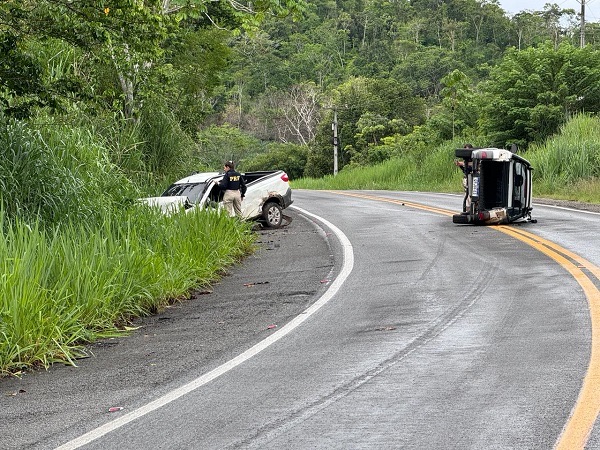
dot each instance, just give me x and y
(193, 191)
(519, 185)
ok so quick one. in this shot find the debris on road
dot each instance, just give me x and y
(15, 393)
(256, 283)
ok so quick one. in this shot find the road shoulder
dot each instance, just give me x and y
(280, 280)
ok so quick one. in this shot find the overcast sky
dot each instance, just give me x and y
(592, 7)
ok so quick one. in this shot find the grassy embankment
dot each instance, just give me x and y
(566, 166)
(64, 288)
(79, 258)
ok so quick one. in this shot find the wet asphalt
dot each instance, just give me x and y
(288, 271)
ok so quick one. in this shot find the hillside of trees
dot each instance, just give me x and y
(167, 87)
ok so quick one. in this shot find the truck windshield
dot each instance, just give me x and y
(193, 191)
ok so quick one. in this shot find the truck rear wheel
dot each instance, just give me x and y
(272, 215)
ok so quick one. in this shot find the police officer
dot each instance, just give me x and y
(235, 188)
(467, 168)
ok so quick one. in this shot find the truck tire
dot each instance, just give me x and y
(463, 152)
(272, 215)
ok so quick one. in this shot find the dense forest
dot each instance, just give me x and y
(171, 86)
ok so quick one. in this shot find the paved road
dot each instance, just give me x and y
(193, 337)
(442, 336)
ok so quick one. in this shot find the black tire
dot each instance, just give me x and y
(272, 215)
(463, 152)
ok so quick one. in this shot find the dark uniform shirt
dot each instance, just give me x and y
(233, 181)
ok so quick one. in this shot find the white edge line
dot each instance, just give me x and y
(347, 266)
(566, 208)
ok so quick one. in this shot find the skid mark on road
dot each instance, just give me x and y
(346, 268)
(583, 416)
(263, 436)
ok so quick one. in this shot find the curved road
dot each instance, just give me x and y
(430, 335)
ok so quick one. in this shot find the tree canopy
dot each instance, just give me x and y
(275, 70)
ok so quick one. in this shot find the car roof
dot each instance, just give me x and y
(202, 177)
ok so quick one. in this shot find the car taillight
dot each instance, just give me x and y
(284, 177)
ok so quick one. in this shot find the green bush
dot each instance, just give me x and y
(217, 144)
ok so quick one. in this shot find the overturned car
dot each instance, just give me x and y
(497, 187)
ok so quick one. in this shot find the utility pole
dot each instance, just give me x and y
(334, 127)
(582, 26)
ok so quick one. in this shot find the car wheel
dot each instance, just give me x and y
(272, 215)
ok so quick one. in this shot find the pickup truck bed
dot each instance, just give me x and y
(268, 194)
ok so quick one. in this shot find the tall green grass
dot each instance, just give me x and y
(61, 289)
(430, 171)
(51, 172)
(80, 258)
(566, 166)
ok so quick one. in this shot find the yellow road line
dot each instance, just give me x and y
(583, 416)
(397, 202)
(576, 431)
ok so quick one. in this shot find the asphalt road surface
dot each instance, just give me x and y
(370, 322)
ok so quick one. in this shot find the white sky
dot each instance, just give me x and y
(592, 7)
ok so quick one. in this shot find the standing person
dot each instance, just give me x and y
(467, 168)
(235, 188)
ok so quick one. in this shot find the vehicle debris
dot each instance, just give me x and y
(255, 283)
(15, 393)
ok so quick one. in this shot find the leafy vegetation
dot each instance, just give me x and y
(567, 166)
(103, 103)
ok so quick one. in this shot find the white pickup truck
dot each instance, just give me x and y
(268, 193)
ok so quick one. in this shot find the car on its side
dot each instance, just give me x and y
(268, 193)
(498, 187)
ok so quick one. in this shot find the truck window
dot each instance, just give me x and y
(193, 191)
(518, 185)
(216, 194)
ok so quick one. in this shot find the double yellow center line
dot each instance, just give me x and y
(583, 416)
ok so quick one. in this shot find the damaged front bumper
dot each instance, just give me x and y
(488, 217)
